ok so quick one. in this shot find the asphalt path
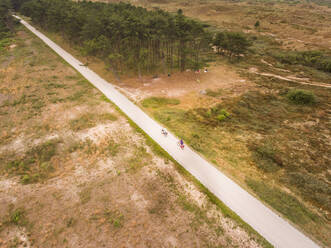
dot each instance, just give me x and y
(269, 224)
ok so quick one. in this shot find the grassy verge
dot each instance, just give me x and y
(283, 202)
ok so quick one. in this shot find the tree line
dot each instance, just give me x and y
(6, 20)
(126, 36)
(130, 38)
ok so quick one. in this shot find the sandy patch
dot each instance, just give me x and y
(139, 200)
(16, 237)
(181, 84)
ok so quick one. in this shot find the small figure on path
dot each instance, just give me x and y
(164, 132)
(181, 143)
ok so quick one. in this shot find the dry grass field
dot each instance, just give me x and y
(75, 173)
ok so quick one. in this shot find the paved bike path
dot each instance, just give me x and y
(271, 226)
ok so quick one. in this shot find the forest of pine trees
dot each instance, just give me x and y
(6, 20)
(127, 37)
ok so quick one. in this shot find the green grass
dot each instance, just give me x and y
(115, 218)
(52, 85)
(77, 96)
(312, 188)
(266, 156)
(17, 217)
(283, 202)
(90, 120)
(35, 165)
(83, 122)
(112, 148)
(139, 159)
(155, 102)
(216, 93)
(5, 43)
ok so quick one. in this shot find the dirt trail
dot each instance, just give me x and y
(288, 78)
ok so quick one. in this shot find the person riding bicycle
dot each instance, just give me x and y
(164, 131)
(181, 143)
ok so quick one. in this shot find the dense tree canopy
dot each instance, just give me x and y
(231, 43)
(6, 20)
(124, 35)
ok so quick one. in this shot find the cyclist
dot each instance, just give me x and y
(181, 143)
(164, 132)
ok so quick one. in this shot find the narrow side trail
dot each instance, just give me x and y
(271, 226)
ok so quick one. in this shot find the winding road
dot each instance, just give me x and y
(266, 222)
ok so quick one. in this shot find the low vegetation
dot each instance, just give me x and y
(282, 202)
(33, 166)
(317, 59)
(248, 131)
(301, 96)
(89, 120)
(154, 102)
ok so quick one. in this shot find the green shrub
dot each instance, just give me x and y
(266, 156)
(301, 96)
(221, 117)
(5, 43)
(17, 217)
(26, 179)
(224, 112)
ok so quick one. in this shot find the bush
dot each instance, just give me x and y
(223, 114)
(266, 156)
(301, 96)
(17, 217)
(4, 42)
(221, 117)
(26, 179)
